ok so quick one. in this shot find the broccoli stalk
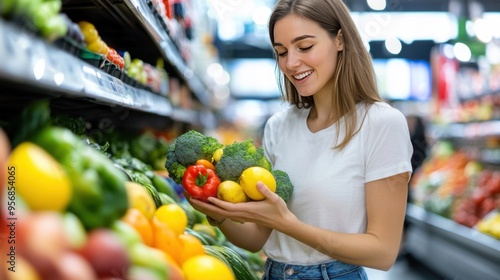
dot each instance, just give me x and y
(284, 187)
(239, 156)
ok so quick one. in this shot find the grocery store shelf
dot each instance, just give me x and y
(138, 13)
(466, 130)
(31, 63)
(453, 250)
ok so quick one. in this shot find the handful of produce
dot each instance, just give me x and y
(207, 168)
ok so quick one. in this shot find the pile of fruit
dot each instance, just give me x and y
(85, 210)
(458, 187)
(206, 168)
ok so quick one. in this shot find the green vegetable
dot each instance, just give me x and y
(174, 168)
(32, 119)
(99, 196)
(239, 156)
(162, 186)
(284, 187)
(192, 146)
(238, 265)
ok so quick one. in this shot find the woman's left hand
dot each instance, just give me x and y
(269, 212)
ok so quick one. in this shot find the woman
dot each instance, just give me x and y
(347, 154)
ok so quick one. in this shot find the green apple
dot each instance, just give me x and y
(54, 28)
(7, 7)
(129, 236)
(152, 258)
(74, 230)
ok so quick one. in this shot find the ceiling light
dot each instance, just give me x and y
(376, 5)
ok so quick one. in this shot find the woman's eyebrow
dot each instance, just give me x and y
(294, 40)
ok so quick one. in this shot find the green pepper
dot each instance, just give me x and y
(200, 182)
(99, 193)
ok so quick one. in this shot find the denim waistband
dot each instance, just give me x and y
(328, 270)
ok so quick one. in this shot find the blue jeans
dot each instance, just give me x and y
(274, 270)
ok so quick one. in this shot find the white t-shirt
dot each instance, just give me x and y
(329, 185)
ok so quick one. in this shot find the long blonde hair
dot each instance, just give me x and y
(354, 79)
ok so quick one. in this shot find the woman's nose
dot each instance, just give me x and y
(293, 60)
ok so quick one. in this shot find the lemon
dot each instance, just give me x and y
(140, 199)
(217, 155)
(252, 175)
(232, 192)
(38, 178)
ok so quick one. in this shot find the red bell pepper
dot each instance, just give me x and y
(200, 182)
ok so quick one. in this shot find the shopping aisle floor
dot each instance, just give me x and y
(404, 269)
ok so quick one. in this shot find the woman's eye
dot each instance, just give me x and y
(281, 54)
(306, 48)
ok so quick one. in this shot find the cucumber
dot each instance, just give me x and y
(197, 235)
(240, 268)
(210, 250)
(154, 194)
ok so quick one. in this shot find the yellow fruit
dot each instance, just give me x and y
(217, 155)
(206, 267)
(252, 175)
(38, 178)
(232, 192)
(174, 216)
(140, 199)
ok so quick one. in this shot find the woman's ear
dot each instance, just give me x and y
(339, 39)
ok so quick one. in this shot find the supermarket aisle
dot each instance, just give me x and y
(405, 269)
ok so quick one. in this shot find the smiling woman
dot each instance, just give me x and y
(346, 152)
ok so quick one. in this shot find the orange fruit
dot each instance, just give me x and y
(174, 216)
(207, 267)
(166, 240)
(140, 223)
(191, 246)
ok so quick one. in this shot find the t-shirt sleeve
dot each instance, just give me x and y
(388, 145)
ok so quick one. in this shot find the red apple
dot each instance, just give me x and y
(106, 253)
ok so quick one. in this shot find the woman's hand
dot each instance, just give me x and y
(270, 212)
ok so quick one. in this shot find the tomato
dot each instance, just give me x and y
(207, 267)
(39, 179)
(251, 176)
(174, 216)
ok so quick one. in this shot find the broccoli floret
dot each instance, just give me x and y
(239, 156)
(284, 187)
(174, 168)
(192, 146)
(176, 172)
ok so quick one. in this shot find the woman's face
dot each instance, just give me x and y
(307, 54)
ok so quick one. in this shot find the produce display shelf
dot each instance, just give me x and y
(466, 130)
(29, 60)
(145, 17)
(452, 250)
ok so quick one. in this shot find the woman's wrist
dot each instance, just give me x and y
(214, 222)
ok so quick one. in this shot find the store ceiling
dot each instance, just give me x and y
(254, 43)
(422, 5)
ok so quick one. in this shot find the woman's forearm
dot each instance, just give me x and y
(248, 236)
